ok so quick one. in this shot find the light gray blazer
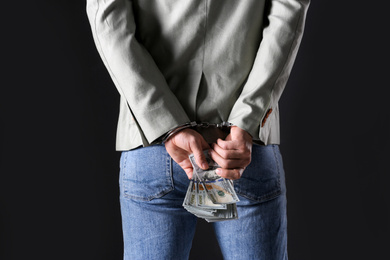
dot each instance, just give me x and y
(176, 61)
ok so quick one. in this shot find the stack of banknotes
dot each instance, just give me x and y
(209, 196)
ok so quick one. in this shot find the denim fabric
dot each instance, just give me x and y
(156, 226)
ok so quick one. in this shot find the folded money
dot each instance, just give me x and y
(209, 196)
(220, 190)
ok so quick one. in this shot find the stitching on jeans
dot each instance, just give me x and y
(268, 196)
(263, 198)
(170, 172)
(277, 164)
(162, 192)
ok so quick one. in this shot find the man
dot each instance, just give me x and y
(176, 64)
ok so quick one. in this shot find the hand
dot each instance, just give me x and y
(186, 142)
(233, 154)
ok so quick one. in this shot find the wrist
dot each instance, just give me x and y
(175, 130)
(196, 126)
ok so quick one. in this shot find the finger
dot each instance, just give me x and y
(229, 163)
(226, 154)
(232, 174)
(188, 142)
(187, 167)
(200, 159)
(197, 148)
(227, 145)
(233, 144)
(189, 172)
(230, 158)
(242, 151)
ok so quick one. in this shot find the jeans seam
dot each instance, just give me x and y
(122, 173)
(170, 172)
(277, 165)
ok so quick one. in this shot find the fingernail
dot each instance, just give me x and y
(218, 171)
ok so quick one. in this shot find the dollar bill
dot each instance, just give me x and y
(229, 214)
(204, 200)
(219, 190)
(190, 198)
(210, 196)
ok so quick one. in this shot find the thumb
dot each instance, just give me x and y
(198, 150)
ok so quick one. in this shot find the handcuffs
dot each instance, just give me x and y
(194, 124)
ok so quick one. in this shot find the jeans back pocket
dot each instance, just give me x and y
(145, 173)
(261, 180)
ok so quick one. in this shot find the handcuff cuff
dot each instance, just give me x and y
(194, 124)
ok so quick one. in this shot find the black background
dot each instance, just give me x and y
(59, 167)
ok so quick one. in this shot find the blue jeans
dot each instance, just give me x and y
(156, 226)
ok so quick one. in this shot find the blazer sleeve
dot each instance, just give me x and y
(282, 35)
(132, 69)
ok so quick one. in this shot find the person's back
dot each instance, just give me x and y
(177, 64)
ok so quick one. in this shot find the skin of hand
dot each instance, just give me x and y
(233, 154)
(186, 142)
